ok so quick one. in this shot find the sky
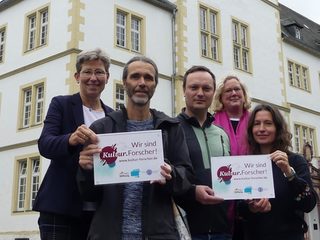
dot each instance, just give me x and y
(308, 8)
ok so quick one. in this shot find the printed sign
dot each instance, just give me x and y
(128, 157)
(242, 177)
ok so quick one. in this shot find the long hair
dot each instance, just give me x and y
(283, 137)
(217, 99)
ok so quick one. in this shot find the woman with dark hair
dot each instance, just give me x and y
(280, 218)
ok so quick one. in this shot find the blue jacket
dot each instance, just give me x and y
(58, 192)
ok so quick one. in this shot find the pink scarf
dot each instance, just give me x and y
(238, 140)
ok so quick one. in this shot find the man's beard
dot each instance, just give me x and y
(140, 101)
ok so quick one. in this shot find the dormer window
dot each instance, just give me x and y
(293, 28)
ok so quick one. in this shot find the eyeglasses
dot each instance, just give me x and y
(88, 73)
(230, 90)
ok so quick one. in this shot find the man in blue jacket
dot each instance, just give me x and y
(209, 217)
(63, 213)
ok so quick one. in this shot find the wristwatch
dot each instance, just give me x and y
(292, 174)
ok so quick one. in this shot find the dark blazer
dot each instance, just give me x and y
(58, 192)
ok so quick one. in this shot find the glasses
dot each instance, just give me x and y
(88, 73)
(230, 90)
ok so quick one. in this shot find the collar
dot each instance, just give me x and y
(194, 122)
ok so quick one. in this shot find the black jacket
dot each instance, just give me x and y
(285, 220)
(204, 219)
(157, 213)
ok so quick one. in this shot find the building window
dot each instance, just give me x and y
(298, 76)
(39, 103)
(209, 31)
(28, 181)
(319, 78)
(0, 101)
(129, 31)
(32, 105)
(297, 138)
(2, 43)
(121, 29)
(35, 180)
(43, 27)
(241, 47)
(298, 32)
(37, 29)
(290, 71)
(120, 96)
(135, 34)
(26, 107)
(303, 135)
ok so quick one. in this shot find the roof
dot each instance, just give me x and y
(4, 4)
(310, 31)
(165, 4)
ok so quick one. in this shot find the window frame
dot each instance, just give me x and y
(39, 104)
(3, 36)
(27, 105)
(129, 36)
(303, 134)
(299, 76)
(37, 29)
(35, 180)
(210, 36)
(297, 32)
(22, 185)
(135, 34)
(241, 46)
(31, 110)
(122, 27)
(118, 101)
(319, 79)
(26, 183)
(44, 25)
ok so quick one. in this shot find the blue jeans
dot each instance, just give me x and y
(216, 236)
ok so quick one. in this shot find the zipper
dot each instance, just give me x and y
(222, 144)
(207, 146)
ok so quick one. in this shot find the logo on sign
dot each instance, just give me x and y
(108, 155)
(224, 174)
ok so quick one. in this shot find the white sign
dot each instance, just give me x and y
(128, 157)
(242, 177)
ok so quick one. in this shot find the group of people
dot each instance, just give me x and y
(72, 207)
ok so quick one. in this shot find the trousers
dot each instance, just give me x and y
(59, 227)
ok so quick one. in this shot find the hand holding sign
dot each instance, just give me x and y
(205, 195)
(86, 156)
